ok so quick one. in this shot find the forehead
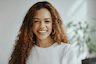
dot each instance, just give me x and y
(42, 13)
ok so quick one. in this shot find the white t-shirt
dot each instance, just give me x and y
(55, 54)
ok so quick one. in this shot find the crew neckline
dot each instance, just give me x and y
(46, 47)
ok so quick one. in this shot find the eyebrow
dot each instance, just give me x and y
(45, 18)
(35, 18)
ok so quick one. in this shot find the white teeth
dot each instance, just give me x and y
(42, 31)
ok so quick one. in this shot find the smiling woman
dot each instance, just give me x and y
(42, 38)
(42, 27)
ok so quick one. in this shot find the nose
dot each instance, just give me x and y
(42, 24)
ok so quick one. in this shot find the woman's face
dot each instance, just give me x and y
(42, 24)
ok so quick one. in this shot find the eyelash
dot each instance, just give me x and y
(36, 21)
(45, 21)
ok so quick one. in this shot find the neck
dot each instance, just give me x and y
(45, 42)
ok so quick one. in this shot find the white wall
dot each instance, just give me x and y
(92, 10)
(12, 13)
(92, 14)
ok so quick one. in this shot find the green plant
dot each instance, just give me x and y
(88, 37)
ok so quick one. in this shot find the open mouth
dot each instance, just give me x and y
(42, 31)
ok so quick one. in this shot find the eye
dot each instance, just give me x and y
(47, 21)
(36, 21)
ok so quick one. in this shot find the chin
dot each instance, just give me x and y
(42, 38)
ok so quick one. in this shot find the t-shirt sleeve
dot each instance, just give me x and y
(69, 56)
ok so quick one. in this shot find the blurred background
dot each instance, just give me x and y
(79, 18)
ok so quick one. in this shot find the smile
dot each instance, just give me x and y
(42, 31)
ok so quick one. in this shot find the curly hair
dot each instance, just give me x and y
(26, 38)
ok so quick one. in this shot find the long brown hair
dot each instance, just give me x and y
(26, 38)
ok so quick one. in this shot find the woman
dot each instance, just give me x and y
(42, 38)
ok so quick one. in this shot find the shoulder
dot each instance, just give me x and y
(65, 44)
(64, 47)
(67, 47)
(69, 54)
